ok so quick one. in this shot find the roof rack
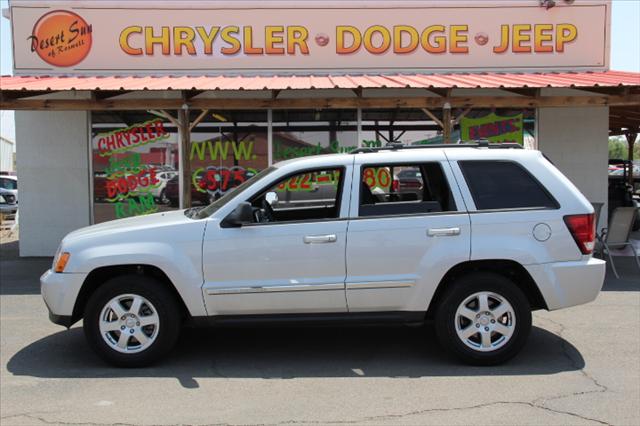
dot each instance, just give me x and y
(473, 144)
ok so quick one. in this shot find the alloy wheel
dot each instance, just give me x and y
(129, 323)
(485, 321)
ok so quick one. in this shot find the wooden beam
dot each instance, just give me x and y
(166, 115)
(321, 103)
(623, 123)
(433, 117)
(448, 124)
(106, 94)
(631, 140)
(522, 91)
(185, 151)
(197, 121)
(618, 90)
(625, 113)
(442, 92)
(8, 95)
(189, 94)
(462, 115)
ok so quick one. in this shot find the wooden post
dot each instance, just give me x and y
(185, 150)
(446, 123)
(631, 140)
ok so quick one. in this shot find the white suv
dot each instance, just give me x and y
(490, 235)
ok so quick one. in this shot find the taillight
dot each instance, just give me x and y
(583, 231)
(395, 185)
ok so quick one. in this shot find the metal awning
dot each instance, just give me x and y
(617, 89)
(399, 81)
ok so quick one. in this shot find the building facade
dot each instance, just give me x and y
(129, 108)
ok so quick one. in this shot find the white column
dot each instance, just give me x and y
(576, 141)
(54, 182)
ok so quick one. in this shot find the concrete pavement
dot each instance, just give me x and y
(581, 366)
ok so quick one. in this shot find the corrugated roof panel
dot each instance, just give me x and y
(372, 81)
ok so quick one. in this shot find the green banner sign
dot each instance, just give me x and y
(493, 128)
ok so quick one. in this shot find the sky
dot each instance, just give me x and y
(625, 47)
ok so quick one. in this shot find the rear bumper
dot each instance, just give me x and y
(60, 292)
(565, 284)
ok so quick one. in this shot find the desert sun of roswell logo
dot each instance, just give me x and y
(61, 38)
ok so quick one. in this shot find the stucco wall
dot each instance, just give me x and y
(53, 171)
(575, 140)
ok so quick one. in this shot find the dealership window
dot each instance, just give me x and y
(416, 127)
(498, 125)
(227, 148)
(299, 133)
(134, 156)
(406, 126)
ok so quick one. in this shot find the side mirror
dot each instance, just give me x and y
(271, 198)
(241, 215)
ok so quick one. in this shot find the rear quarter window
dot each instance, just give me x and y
(505, 185)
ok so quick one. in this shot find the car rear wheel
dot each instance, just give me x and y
(132, 321)
(484, 319)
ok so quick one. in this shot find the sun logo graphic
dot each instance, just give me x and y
(61, 38)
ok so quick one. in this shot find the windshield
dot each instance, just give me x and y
(8, 183)
(213, 207)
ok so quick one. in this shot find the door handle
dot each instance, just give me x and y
(320, 239)
(443, 232)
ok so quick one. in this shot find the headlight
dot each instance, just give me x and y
(60, 261)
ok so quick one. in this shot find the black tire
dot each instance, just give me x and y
(466, 286)
(165, 303)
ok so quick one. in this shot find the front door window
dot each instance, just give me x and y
(308, 196)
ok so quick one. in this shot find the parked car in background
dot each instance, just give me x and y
(8, 203)
(408, 180)
(99, 186)
(160, 191)
(621, 192)
(172, 192)
(494, 234)
(620, 172)
(10, 183)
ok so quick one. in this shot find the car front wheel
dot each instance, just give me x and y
(132, 321)
(484, 319)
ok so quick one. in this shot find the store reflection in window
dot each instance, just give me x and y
(135, 155)
(406, 126)
(227, 148)
(299, 133)
(416, 127)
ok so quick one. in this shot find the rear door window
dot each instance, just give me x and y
(504, 185)
(400, 189)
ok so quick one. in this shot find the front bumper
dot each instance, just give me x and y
(63, 320)
(60, 292)
(565, 284)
